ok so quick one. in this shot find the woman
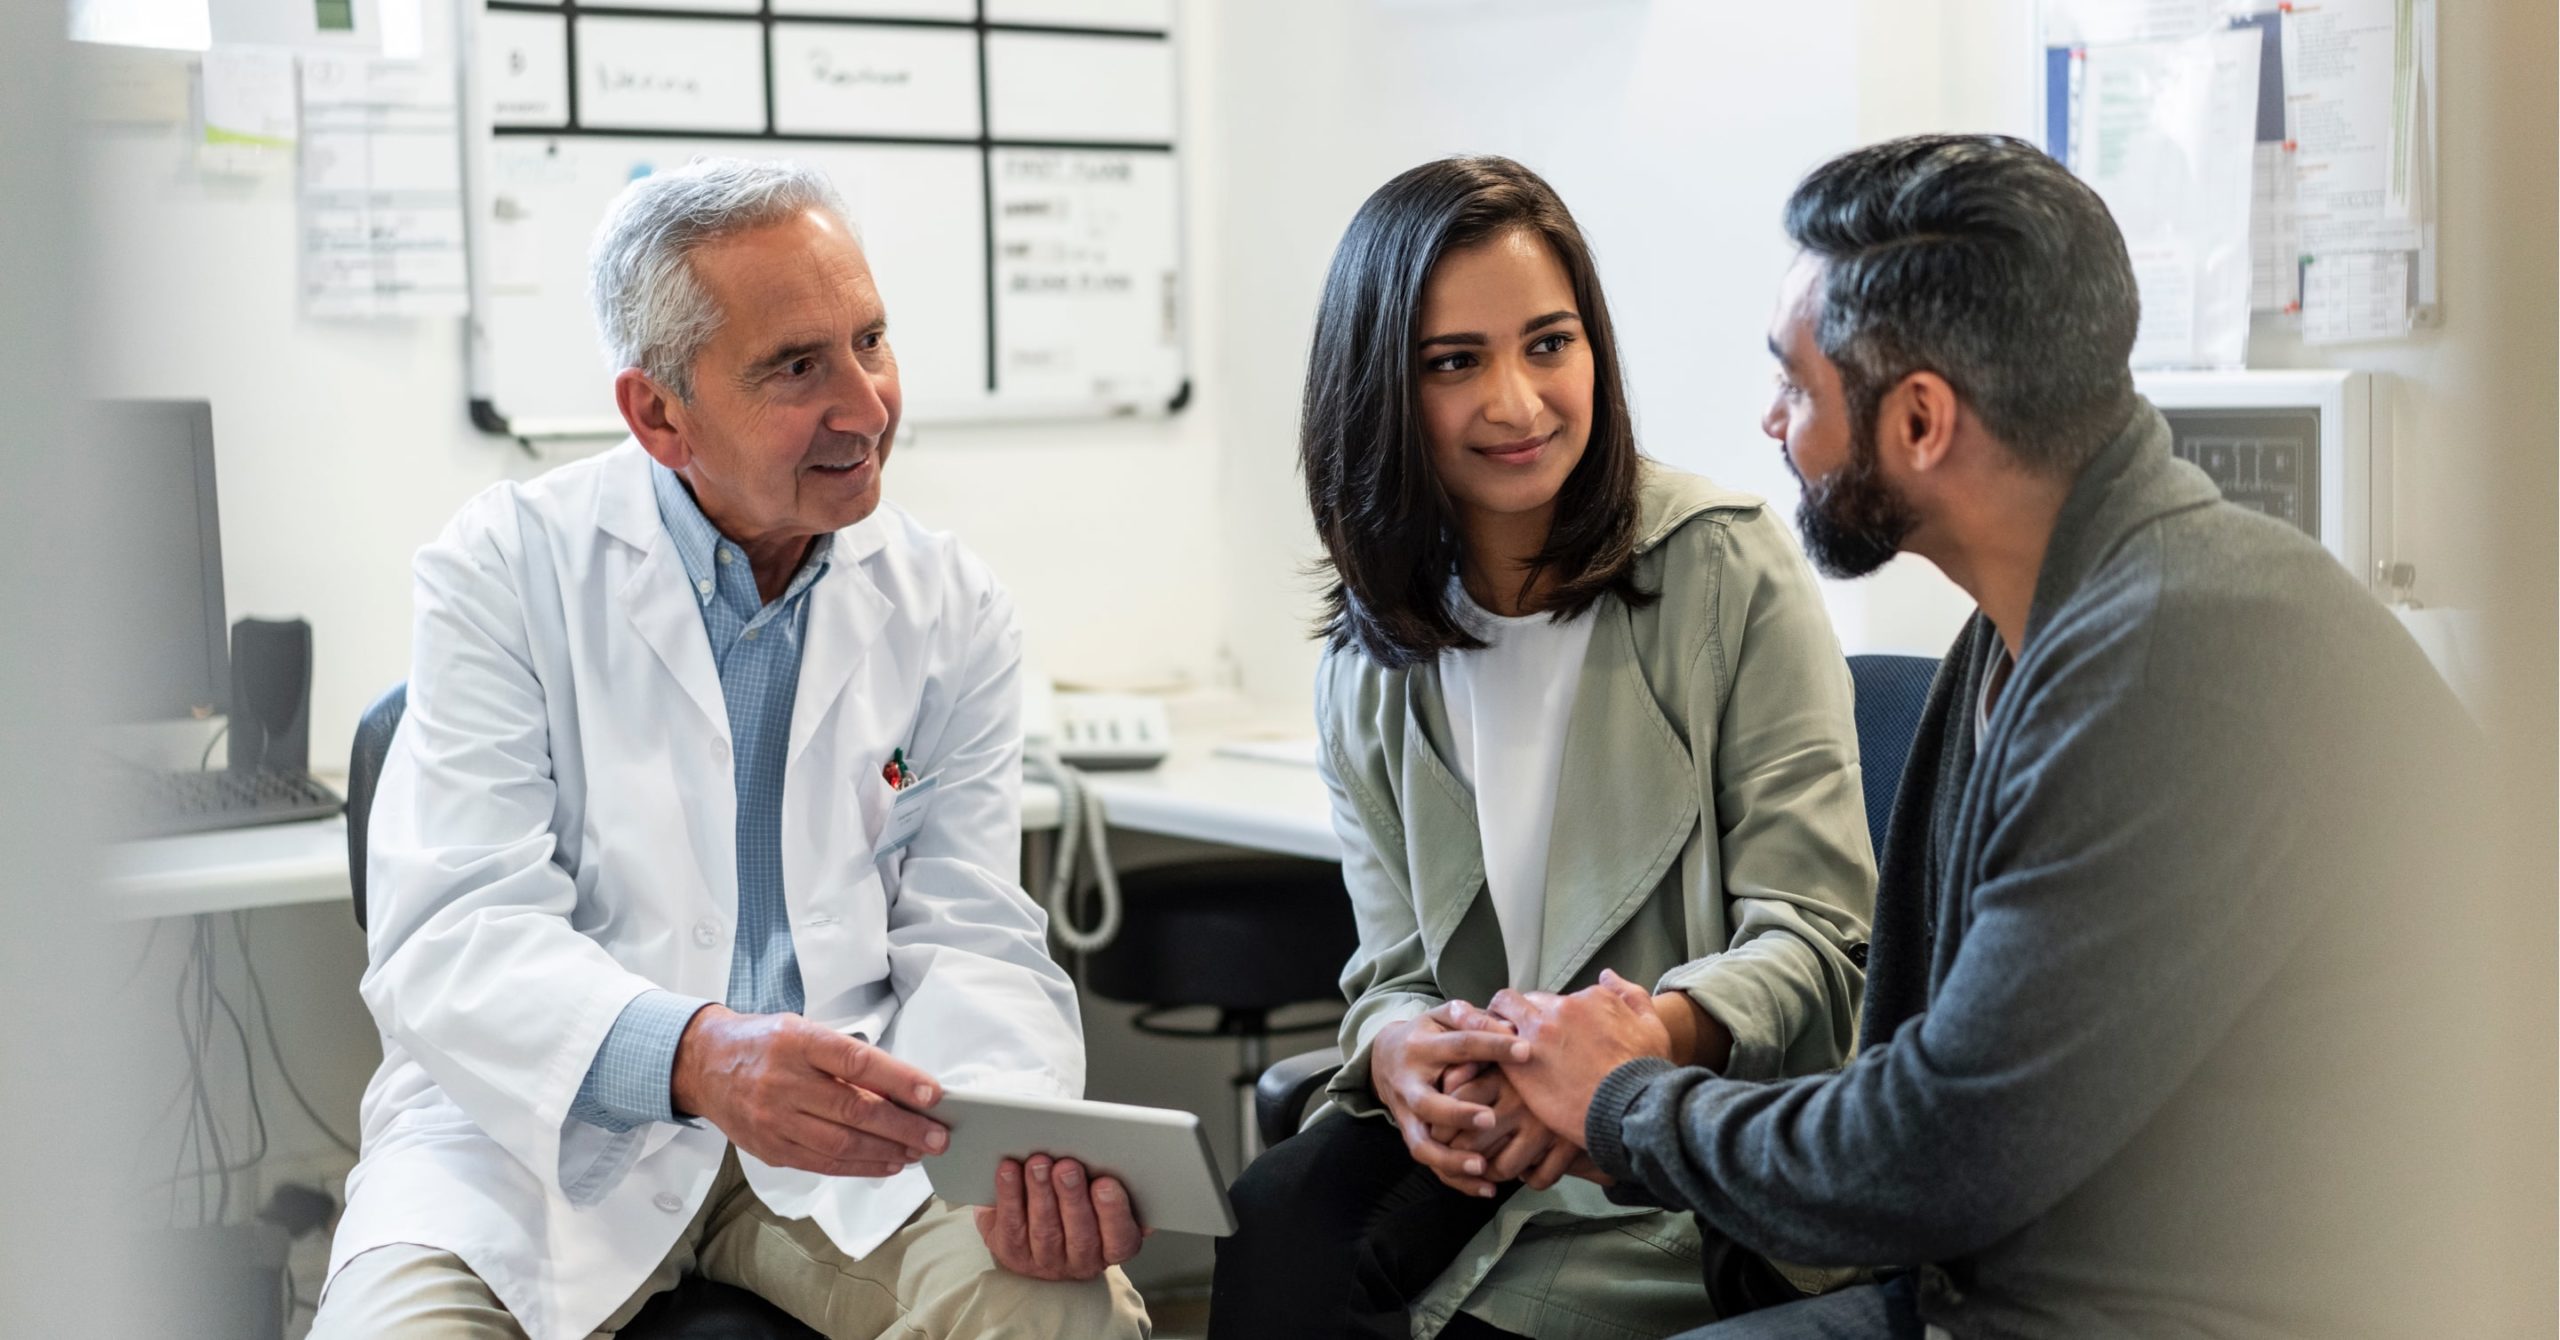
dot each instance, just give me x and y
(1579, 712)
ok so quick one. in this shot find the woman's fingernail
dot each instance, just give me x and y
(1474, 1166)
(1484, 1121)
(935, 1140)
(1485, 1191)
(1519, 1051)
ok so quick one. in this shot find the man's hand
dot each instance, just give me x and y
(1520, 1146)
(1047, 1223)
(1406, 1063)
(1574, 1042)
(800, 1096)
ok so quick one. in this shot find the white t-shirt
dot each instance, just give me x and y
(1509, 704)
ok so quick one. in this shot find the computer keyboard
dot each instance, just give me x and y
(157, 804)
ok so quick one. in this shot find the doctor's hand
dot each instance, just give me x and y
(800, 1096)
(1051, 1222)
(1407, 1063)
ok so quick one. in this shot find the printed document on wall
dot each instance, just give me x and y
(2349, 296)
(2350, 86)
(2275, 243)
(248, 111)
(2107, 22)
(382, 231)
(2166, 138)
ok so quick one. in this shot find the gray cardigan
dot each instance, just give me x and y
(2121, 939)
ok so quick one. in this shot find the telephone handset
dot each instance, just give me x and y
(1062, 735)
(1095, 731)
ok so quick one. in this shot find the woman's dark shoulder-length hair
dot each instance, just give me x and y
(1389, 532)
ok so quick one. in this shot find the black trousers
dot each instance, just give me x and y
(1338, 1230)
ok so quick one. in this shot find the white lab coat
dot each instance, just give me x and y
(554, 834)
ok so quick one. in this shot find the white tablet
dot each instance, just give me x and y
(1161, 1155)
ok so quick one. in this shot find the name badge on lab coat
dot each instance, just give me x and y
(906, 817)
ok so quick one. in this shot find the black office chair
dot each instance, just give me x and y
(1891, 690)
(1244, 937)
(697, 1308)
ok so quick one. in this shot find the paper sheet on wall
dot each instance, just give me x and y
(249, 120)
(2166, 135)
(2107, 22)
(2349, 90)
(382, 231)
(2349, 296)
(2275, 244)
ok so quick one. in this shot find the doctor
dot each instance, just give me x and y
(690, 860)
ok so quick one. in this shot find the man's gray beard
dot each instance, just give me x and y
(1851, 520)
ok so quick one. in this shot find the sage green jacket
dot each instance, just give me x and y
(1709, 837)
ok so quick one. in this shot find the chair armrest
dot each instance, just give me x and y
(1281, 1096)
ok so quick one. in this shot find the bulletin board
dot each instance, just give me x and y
(2273, 158)
(1011, 167)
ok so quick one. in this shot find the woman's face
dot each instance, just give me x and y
(1505, 384)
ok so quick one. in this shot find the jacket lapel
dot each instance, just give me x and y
(1626, 803)
(1444, 850)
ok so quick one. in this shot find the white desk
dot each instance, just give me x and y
(1200, 794)
(1196, 794)
(273, 865)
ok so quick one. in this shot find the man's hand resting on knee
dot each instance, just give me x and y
(800, 1096)
(1053, 1222)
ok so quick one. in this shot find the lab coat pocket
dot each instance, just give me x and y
(906, 819)
(844, 942)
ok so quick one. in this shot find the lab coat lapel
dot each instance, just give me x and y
(846, 613)
(1626, 803)
(655, 594)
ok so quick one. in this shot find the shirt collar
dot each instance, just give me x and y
(698, 541)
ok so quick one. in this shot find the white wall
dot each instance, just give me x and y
(343, 445)
(1673, 131)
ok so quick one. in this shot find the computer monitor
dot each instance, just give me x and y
(2309, 448)
(155, 457)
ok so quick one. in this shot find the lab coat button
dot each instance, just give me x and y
(669, 1202)
(705, 934)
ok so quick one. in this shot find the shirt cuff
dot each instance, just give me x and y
(631, 1081)
(1604, 1127)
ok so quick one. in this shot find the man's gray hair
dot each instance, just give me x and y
(651, 311)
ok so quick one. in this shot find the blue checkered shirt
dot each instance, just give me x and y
(757, 647)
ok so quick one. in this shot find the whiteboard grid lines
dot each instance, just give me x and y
(767, 13)
(742, 72)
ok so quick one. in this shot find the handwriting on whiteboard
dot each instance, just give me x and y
(836, 79)
(670, 74)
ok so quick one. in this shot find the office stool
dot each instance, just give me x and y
(697, 1308)
(1243, 937)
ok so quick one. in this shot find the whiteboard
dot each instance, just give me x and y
(1011, 167)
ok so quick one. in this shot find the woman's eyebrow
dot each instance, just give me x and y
(1532, 325)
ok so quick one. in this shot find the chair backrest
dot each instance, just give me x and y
(364, 768)
(1891, 692)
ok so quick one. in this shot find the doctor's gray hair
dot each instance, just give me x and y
(651, 311)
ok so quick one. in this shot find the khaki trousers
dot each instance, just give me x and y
(932, 1280)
